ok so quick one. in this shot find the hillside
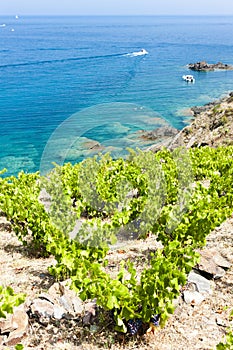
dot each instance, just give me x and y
(192, 326)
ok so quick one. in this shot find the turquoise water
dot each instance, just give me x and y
(85, 72)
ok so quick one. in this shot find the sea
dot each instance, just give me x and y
(72, 87)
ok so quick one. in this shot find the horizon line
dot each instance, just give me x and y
(115, 15)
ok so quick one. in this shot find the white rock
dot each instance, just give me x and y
(193, 298)
(58, 312)
(203, 285)
(220, 322)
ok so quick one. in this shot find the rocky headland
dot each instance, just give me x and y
(203, 66)
(212, 125)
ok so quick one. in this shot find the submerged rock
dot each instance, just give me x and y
(159, 133)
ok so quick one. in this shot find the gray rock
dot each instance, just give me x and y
(220, 322)
(20, 321)
(78, 306)
(45, 309)
(204, 66)
(66, 302)
(56, 290)
(60, 301)
(199, 109)
(42, 308)
(70, 301)
(212, 262)
(203, 285)
(209, 266)
(193, 298)
(6, 324)
(191, 287)
(219, 273)
(221, 261)
(58, 312)
(90, 311)
(48, 297)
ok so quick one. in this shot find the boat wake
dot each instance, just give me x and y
(62, 60)
(70, 59)
(142, 52)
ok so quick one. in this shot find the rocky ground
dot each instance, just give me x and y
(200, 322)
(192, 326)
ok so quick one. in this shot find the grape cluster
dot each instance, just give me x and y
(155, 320)
(134, 326)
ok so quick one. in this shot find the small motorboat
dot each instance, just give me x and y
(143, 52)
(189, 78)
(137, 53)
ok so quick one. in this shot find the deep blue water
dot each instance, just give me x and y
(80, 71)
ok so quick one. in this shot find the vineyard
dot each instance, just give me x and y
(79, 213)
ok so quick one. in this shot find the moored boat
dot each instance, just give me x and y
(189, 78)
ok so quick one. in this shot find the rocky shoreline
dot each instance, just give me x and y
(212, 125)
(196, 110)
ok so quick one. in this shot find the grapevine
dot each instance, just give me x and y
(163, 194)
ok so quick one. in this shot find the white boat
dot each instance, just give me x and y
(137, 53)
(143, 52)
(189, 78)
